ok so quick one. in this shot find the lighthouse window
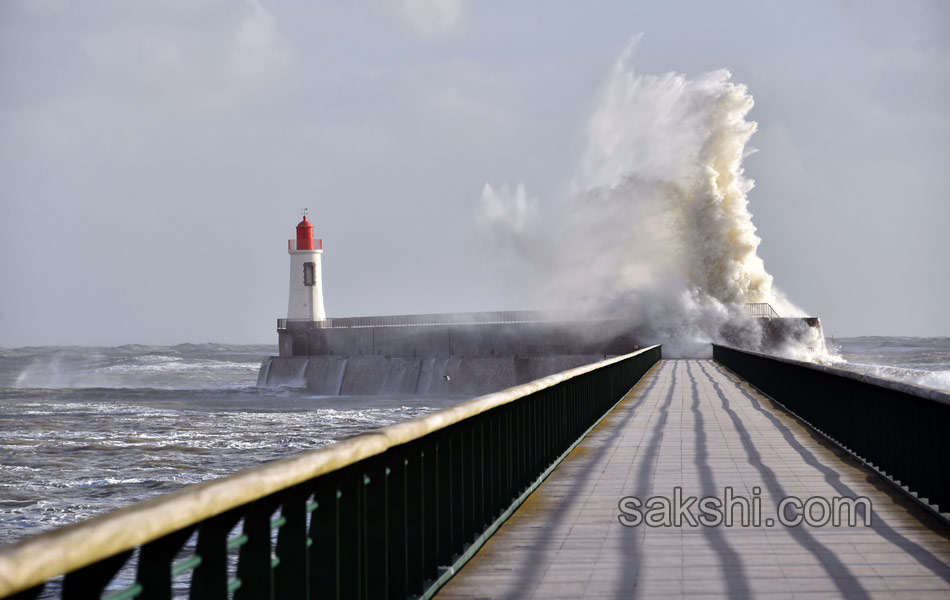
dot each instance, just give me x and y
(309, 273)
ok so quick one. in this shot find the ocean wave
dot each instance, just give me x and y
(97, 482)
(133, 366)
(939, 380)
(171, 364)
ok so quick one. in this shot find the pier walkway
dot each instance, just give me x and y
(694, 425)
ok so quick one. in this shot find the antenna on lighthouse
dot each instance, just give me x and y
(305, 212)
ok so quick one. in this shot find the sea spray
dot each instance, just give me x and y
(655, 224)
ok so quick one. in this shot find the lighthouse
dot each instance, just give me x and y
(305, 302)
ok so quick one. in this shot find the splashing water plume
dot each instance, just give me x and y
(655, 224)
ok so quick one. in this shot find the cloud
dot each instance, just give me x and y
(257, 48)
(144, 48)
(428, 20)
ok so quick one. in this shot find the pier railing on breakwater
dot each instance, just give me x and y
(901, 430)
(761, 309)
(390, 513)
(753, 309)
(423, 320)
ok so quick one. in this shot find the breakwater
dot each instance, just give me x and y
(449, 354)
(386, 375)
(458, 354)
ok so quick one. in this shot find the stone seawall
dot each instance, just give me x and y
(533, 338)
(387, 375)
(431, 355)
(460, 354)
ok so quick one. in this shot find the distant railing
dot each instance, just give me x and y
(285, 324)
(756, 309)
(424, 320)
(387, 514)
(292, 245)
(761, 309)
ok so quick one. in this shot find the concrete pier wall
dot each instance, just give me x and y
(386, 375)
(469, 339)
(460, 354)
(473, 353)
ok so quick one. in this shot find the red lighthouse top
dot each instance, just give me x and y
(305, 234)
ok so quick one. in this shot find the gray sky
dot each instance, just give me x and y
(154, 155)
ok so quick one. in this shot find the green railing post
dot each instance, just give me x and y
(397, 540)
(377, 528)
(89, 582)
(291, 577)
(481, 482)
(255, 569)
(511, 456)
(209, 581)
(456, 443)
(534, 439)
(155, 565)
(417, 534)
(351, 534)
(467, 445)
(516, 435)
(431, 516)
(503, 458)
(492, 468)
(325, 536)
(443, 501)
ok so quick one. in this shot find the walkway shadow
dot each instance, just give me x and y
(847, 584)
(530, 573)
(833, 478)
(631, 541)
(730, 562)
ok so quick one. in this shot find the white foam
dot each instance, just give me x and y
(939, 380)
(57, 371)
(655, 225)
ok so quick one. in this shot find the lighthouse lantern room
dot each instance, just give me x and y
(306, 275)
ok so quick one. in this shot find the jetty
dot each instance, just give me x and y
(693, 425)
(455, 354)
(568, 486)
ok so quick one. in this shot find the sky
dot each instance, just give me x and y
(155, 155)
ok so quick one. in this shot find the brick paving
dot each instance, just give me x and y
(692, 424)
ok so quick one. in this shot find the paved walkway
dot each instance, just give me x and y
(692, 424)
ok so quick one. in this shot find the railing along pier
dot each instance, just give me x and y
(390, 513)
(900, 430)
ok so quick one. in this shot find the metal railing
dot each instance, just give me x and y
(753, 309)
(292, 244)
(761, 309)
(899, 429)
(390, 513)
(285, 324)
(434, 319)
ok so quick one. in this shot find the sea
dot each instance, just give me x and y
(919, 361)
(84, 430)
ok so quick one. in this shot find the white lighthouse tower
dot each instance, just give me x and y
(306, 275)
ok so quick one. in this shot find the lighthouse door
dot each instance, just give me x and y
(309, 274)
